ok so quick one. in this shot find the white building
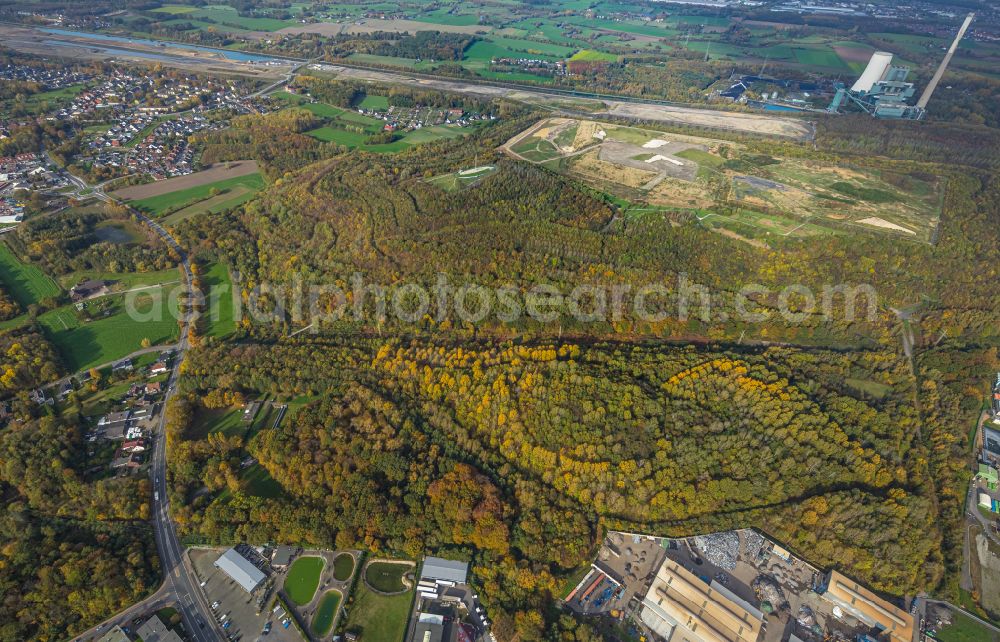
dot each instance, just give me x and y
(241, 570)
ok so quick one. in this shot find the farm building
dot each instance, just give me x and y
(680, 606)
(88, 289)
(240, 569)
(437, 569)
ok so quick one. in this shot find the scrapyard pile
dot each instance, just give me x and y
(767, 589)
(720, 549)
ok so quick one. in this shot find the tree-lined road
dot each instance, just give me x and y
(180, 587)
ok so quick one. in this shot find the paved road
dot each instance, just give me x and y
(179, 586)
(133, 355)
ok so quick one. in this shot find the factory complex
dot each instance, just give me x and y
(733, 586)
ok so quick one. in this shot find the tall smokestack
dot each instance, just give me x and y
(932, 85)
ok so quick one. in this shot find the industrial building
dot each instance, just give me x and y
(240, 569)
(681, 607)
(429, 628)
(440, 570)
(991, 444)
(995, 401)
(882, 90)
(892, 623)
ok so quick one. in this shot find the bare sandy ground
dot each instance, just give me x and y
(216, 172)
(734, 121)
(371, 25)
(879, 222)
(766, 124)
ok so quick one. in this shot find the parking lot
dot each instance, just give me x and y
(233, 604)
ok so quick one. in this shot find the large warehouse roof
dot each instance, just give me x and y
(240, 569)
(869, 608)
(436, 568)
(697, 612)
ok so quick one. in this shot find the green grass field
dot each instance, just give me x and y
(357, 140)
(964, 629)
(386, 576)
(374, 102)
(379, 618)
(456, 180)
(326, 612)
(174, 9)
(41, 102)
(873, 388)
(219, 294)
(592, 55)
(228, 16)
(260, 483)
(819, 57)
(86, 344)
(409, 63)
(124, 280)
(343, 567)
(25, 282)
(192, 196)
(337, 135)
(303, 579)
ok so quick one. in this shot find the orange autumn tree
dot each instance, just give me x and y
(466, 504)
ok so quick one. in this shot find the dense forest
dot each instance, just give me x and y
(503, 451)
(63, 531)
(524, 226)
(516, 442)
(27, 360)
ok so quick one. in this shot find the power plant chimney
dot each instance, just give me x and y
(932, 85)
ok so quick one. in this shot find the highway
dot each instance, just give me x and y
(180, 587)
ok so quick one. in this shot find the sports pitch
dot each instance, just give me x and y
(735, 186)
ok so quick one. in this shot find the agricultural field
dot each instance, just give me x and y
(211, 174)
(761, 195)
(220, 187)
(228, 16)
(25, 282)
(303, 579)
(113, 333)
(590, 55)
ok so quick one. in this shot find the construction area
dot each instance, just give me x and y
(734, 186)
(736, 586)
